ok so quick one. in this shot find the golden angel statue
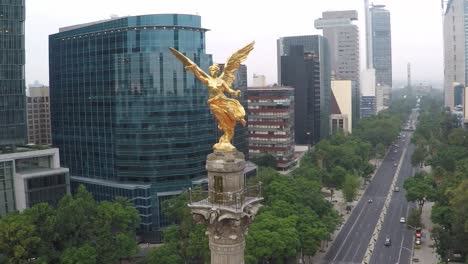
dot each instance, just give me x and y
(227, 111)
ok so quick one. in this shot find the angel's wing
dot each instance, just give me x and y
(234, 62)
(187, 62)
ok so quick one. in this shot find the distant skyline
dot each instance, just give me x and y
(416, 29)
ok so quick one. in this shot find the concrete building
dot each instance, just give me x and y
(12, 77)
(271, 123)
(368, 96)
(382, 97)
(129, 120)
(341, 106)
(343, 39)
(258, 80)
(455, 30)
(304, 63)
(29, 176)
(38, 116)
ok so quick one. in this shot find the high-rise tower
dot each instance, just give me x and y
(12, 79)
(129, 120)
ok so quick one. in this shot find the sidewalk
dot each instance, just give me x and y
(340, 207)
(426, 252)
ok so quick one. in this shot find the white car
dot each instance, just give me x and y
(402, 220)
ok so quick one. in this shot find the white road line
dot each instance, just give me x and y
(344, 241)
(401, 249)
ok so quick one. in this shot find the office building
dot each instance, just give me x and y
(38, 111)
(381, 44)
(455, 63)
(258, 80)
(12, 79)
(465, 108)
(129, 120)
(304, 64)
(368, 97)
(343, 39)
(271, 123)
(341, 106)
(29, 176)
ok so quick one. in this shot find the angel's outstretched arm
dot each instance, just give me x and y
(199, 73)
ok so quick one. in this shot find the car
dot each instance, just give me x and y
(395, 151)
(397, 189)
(395, 164)
(402, 220)
(370, 201)
(418, 241)
(388, 242)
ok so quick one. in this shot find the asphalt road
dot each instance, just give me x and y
(401, 237)
(351, 243)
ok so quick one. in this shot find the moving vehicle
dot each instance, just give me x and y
(397, 189)
(370, 201)
(388, 242)
(402, 220)
(395, 164)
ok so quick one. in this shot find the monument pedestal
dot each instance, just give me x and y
(229, 207)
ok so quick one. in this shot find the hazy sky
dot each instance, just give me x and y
(416, 28)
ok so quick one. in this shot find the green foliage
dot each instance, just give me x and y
(185, 242)
(419, 188)
(414, 218)
(79, 230)
(380, 150)
(165, 254)
(350, 187)
(418, 157)
(265, 160)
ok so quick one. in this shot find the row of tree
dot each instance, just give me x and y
(78, 230)
(443, 146)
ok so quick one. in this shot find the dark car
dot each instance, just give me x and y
(388, 242)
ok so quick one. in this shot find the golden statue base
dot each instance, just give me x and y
(225, 147)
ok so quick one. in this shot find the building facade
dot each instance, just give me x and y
(341, 106)
(259, 80)
(343, 39)
(129, 120)
(12, 78)
(381, 44)
(28, 177)
(304, 64)
(38, 107)
(271, 123)
(455, 48)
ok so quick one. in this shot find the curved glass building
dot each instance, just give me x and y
(128, 119)
(12, 80)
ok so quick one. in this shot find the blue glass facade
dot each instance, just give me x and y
(12, 82)
(381, 44)
(125, 111)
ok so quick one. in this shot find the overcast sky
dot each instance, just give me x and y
(416, 28)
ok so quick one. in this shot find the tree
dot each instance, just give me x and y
(380, 150)
(350, 187)
(18, 238)
(265, 160)
(165, 254)
(272, 238)
(418, 157)
(414, 218)
(418, 189)
(78, 230)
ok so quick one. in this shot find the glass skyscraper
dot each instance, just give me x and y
(128, 119)
(12, 80)
(381, 44)
(304, 64)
